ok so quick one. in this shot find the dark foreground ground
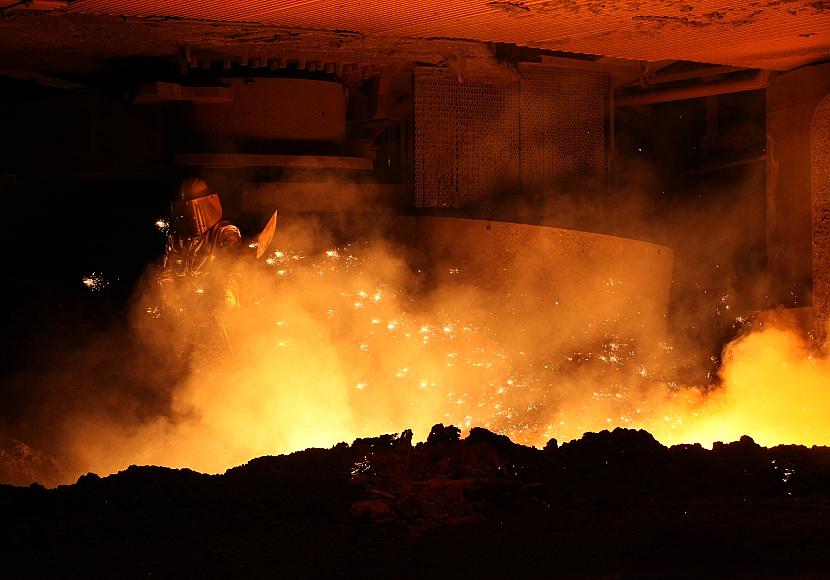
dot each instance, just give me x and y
(613, 504)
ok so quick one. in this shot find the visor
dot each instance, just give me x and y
(193, 217)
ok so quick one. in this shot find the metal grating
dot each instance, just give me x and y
(473, 139)
(488, 144)
(564, 125)
(436, 136)
(466, 139)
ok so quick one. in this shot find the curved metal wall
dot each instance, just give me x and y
(569, 285)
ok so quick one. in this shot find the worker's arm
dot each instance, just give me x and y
(165, 279)
(230, 242)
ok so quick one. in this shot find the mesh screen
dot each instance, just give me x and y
(466, 138)
(436, 135)
(564, 118)
(474, 139)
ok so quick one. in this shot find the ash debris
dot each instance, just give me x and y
(611, 503)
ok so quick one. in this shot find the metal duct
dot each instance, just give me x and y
(760, 81)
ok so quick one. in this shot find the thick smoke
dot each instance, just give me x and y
(335, 341)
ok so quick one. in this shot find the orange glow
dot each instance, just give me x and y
(333, 345)
(775, 388)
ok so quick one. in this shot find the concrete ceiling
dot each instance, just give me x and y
(773, 34)
(83, 35)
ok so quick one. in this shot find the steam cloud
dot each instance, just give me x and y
(336, 341)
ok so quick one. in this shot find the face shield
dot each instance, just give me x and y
(193, 217)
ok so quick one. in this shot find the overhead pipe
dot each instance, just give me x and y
(760, 80)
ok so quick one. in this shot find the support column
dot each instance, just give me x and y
(792, 100)
(820, 172)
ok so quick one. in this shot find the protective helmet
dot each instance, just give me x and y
(196, 210)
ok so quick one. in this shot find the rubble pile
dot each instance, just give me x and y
(21, 465)
(611, 503)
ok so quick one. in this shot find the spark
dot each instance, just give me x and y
(162, 225)
(361, 466)
(94, 282)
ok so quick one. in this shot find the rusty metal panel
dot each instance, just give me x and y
(466, 139)
(564, 116)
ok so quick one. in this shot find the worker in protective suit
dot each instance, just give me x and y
(193, 271)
